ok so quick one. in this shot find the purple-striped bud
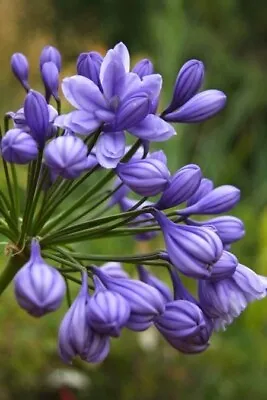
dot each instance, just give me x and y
(108, 311)
(192, 250)
(131, 112)
(37, 116)
(50, 77)
(206, 186)
(75, 334)
(219, 200)
(18, 147)
(50, 53)
(152, 280)
(39, 288)
(180, 319)
(143, 67)
(199, 108)
(20, 68)
(188, 82)
(114, 269)
(183, 184)
(88, 65)
(146, 177)
(224, 267)
(158, 155)
(225, 299)
(66, 156)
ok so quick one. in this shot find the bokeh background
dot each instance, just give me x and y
(230, 36)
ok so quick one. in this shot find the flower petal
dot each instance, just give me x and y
(153, 128)
(110, 148)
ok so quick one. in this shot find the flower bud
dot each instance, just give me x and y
(108, 311)
(114, 269)
(131, 112)
(143, 67)
(188, 82)
(66, 156)
(206, 186)
(199, 108)
(88, 65)
(219, 200)
(20, 68)
(50, 53)
(224, 267)
(158, 155)
(183, 184)
(18, 147)
(152, 280)
(146, 177)
(50, 77)
(37, 116)
(192, 250)
(39, 288)
(75, 334)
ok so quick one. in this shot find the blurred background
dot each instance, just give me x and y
(230, 37)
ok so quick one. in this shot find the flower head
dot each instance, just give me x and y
(18, 147)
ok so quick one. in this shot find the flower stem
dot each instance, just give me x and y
(13, 265)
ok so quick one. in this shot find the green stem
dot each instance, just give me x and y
(16, 190)
(135, 258)
(13, 265)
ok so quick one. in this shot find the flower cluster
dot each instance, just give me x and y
(112, 105)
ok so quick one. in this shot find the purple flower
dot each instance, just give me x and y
(66, 156)
(192, 250)
(114, 269)
(18, 147)
(50, 53)
(199, 108)
(88, 65)
(217, 201)
(182, 186)
(75, 334)
(108, 311)
(188, 82)
(143, 67)
(39, 288)
(225, 299)
(152, 280)
(146, 177)
(37, 116)
(224, 267)
(50, 77)
(206, 186)
(20, 68)
(110, 148)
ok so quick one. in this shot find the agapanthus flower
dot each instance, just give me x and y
(152, 280)
(18, 147)
(20, 67)
(88, 65)
(114, 269)
(206, 186)
(50, 77)
(143, 68)
(50, 53)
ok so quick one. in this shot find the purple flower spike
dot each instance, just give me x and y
(50, 53)
(39, 288)
(188, 82)
(225, 299)
(37, 116)
(88, 65)
(183, 184)
(66, 156)
(108, 311)
(224, 267)
(143, 67)
(75, 334)
(50, 76)
(180, 319)
(18, 147)
(20, 68)
(114, 269)
(192, 250)
(199, 108)
(219, 200)
(152, 280)
(206, 186)
(146, 177)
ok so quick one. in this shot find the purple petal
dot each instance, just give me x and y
(79, 121)
(153, 128)
(110, 148)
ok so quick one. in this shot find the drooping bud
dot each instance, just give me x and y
(199, 108)
(143, 67)
(108, 311)
(206, 186)
(192, 250)
(18, 147)
(75, 334)
(88, 65)
(37, 116)
(20, 68)
(152, 280)
(183, 184)
(188, 82)
(39, 288)
(146, 177)
(50, 53)
(50, 77)
(66, 156)
(114, 269)
(224, 267)
(219, 200)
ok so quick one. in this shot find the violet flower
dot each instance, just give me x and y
(88, 65)
(18, 147)
(20, 68)
(50, 53)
